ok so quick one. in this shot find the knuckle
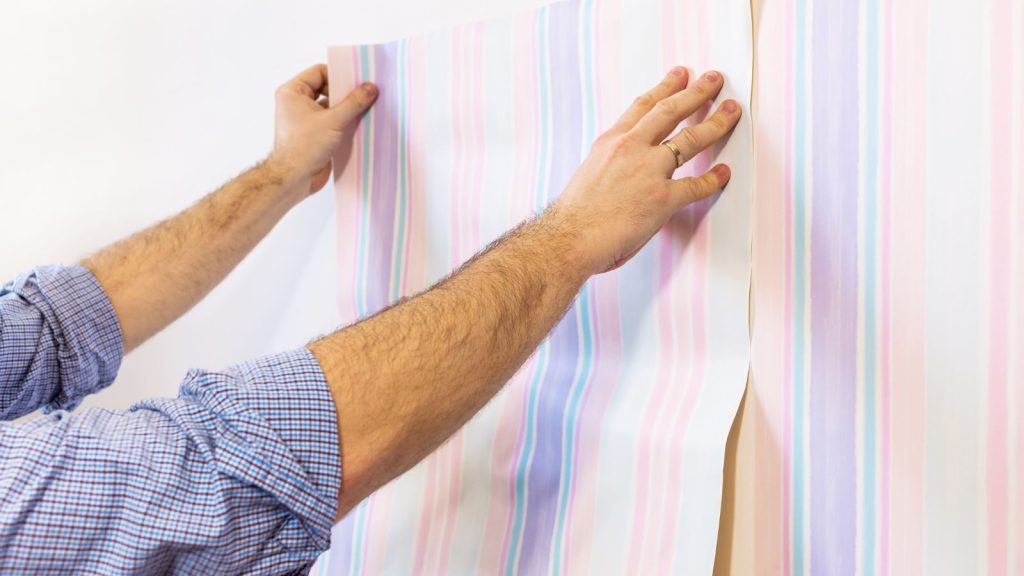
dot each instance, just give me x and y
(702, 89)
(283, 92)
(622, 146)
(667, 108)
(645, 100)
(720, 123)
(661, 195)
(691, 141)
(693, 189)
(356, 99)
(604, 139)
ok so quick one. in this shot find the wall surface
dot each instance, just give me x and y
(116, 114)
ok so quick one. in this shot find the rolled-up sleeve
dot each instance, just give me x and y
(60, 340)
(238, 475)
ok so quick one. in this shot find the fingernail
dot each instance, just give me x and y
(711, 76)
(729, 106)
(369, 89)
(677, 71)
(722, 173)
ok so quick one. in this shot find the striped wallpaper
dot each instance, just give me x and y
(883, 430)
(883, 426)
(604, 454)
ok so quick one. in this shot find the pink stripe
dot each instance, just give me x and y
(1000, 263)
(452, 457)
(762, 513)
(908, 289)
(371, 505)
(425, 529)
(375, 543)
(419, 140)
(479, 126)
(1019, 515)
(458, 148)
(886, 226)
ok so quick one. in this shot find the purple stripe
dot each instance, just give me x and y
(834, 289)
(341, 545)
(380, 236)
(385, 177)
(545, 468)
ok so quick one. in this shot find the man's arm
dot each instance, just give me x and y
(404, 380)
(62, 334)
(156, 275)
(238, 475)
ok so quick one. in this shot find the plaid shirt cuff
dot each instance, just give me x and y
(85, 329)
(298, 456)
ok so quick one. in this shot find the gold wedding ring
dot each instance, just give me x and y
(675, 151)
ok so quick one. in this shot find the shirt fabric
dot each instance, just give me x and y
(238, 475)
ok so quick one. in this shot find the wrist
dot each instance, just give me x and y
(564, 239)
(291, 181)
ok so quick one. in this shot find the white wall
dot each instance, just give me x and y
(115, 114)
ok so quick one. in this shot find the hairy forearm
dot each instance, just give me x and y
(406, 379)
(156, 275)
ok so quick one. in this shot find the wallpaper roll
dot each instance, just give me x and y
(883, 430)
(604, 454)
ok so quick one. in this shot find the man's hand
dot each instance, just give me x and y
(307, 131)
(624, 191)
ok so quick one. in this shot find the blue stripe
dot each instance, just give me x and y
(403, 192)
(540, 201)
(870, 202)
(590, 94)
(364, 216)
(531, 409)
(358, 535)
(543, 168)
(799, 291)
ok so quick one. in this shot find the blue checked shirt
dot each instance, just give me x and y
(238, 475)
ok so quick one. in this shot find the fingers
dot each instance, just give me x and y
(673, 82)
(668, 113)
(694, 139)
(354, 104)
(692, 189)
(311, 82)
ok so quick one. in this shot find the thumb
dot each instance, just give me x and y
(353, 105)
